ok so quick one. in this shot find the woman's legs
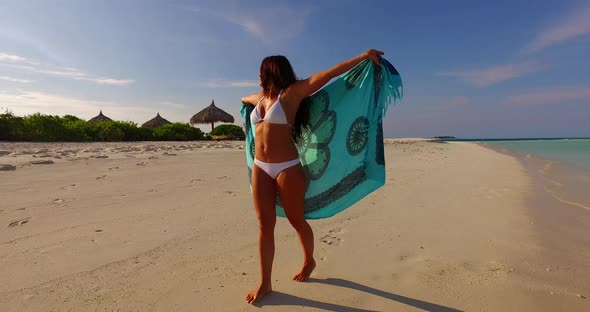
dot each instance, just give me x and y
(291, 184)
(265, 195)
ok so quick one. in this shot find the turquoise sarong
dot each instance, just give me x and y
(342, 150)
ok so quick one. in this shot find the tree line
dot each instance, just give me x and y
(52, 128)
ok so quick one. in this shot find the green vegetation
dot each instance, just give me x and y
(229, 131)
(443, 137)
(177, 132)
(48, 128)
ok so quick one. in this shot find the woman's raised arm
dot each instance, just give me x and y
(306, 87)
(252, 99)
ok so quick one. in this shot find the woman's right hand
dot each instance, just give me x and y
(373, 55)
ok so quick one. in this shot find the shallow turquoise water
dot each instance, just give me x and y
(566, 151)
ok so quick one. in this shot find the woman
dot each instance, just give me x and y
(276, 165)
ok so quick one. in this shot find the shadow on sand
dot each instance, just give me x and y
(281, 299)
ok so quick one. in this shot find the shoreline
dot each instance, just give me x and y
(562, 180)
(560, 225)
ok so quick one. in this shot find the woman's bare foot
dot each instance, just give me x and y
(305, 271)
(264, 289)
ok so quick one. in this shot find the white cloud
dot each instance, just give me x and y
(12, 58)
(18, 62)
(29, 102)
(576, 25)
(24, 102)
(492, 75)
(111, 81)
(61, 72)
(270, 25)
(6, 78)
(219, 83)
(5, 57)
(553, 95)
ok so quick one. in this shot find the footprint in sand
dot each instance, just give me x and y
(57, 203)
(336, 231)
(143, 163)
(222, 177)
(41, 162)
(18, 222)
(99, 156)
(103, 177)
(113, 168)
(7, 167)
(69, 187)
(230, 193)
(197, 180)
(331, 240)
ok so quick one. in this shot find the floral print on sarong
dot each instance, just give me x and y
(313, 148)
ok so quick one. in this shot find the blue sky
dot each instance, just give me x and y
(470, 68)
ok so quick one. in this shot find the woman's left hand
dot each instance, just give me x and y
(373, 55)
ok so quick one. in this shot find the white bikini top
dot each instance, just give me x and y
(272, 115)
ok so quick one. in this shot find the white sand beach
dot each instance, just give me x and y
(170, 226)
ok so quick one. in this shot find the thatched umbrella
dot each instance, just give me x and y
(155, 122)
(100, 118)
(211, 114)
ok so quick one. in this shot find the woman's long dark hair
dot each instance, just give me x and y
(277, 74)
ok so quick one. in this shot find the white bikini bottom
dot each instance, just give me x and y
(273, 169)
